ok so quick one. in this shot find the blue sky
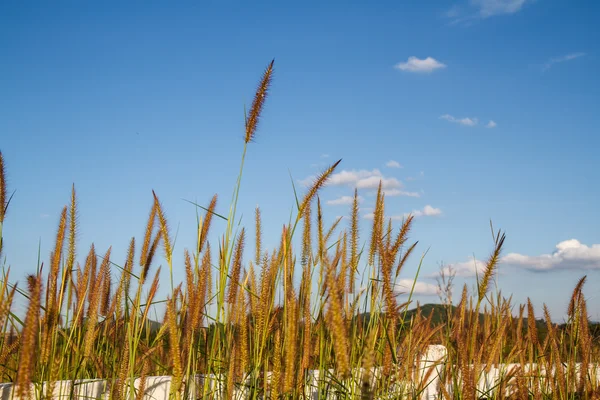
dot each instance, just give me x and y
(487, 108)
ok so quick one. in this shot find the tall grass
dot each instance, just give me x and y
(255, 328)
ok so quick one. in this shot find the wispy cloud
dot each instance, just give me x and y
(344, 200)
(398, 192)
(44, 216)
(404, 286)
(482, 9)
(556, 60)
(393, 164)
(414, 64)
(490, 8)
(491, 124)
(462, 121)
(569, 255)
(324, 155)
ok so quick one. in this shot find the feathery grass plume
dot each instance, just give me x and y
(231, 364)
(127, 272)
(388, 236)
(354, 237)
(116, 303)
(318, 183)
(83, 283)
(491, 264)
(306, 237)
(336, 320)
(92, 314)
(258, 230)
(72, 228)
(164, 229)
(244, 334)
(236, 269)
(4, 200)
(291, 345)
(9, 348)
(148, 237)
(368, 362)
(119, 386)
(204, 285)
(55, 266)
(402, 236)
(106, 283)
(377, 223)
(258, 103)
(306, 332)
(277, 364)
(6, 301)
(149, 299)
(52, 298)
(140, 395)
(71, 247)
(202, 238)
(150, 257)
(92, 272)
(556, 359)
(253, 294)
(532, 333)
(3, 197)
(191, 303)
(29, 338)
(174, 344)
(574, 301)
(331, 229)
(321, 248)
(585, 346)
(343, 276)
(404, 257)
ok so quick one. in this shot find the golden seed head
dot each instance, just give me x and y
(258, 103)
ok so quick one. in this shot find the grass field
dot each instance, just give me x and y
(89, 318)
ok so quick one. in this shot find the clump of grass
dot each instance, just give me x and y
(258, 326)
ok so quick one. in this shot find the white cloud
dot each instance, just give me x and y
(427, 211)
(463, 269)
(324, 155)
(404, 286)
(344, 200)
(414, 64)
(393, 164)
(462, 121)
(564, 58)
(489, 8)
(569, 255)
(372, 182)
(491, 124)
(361, 179)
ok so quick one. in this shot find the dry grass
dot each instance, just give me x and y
(239, 320)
